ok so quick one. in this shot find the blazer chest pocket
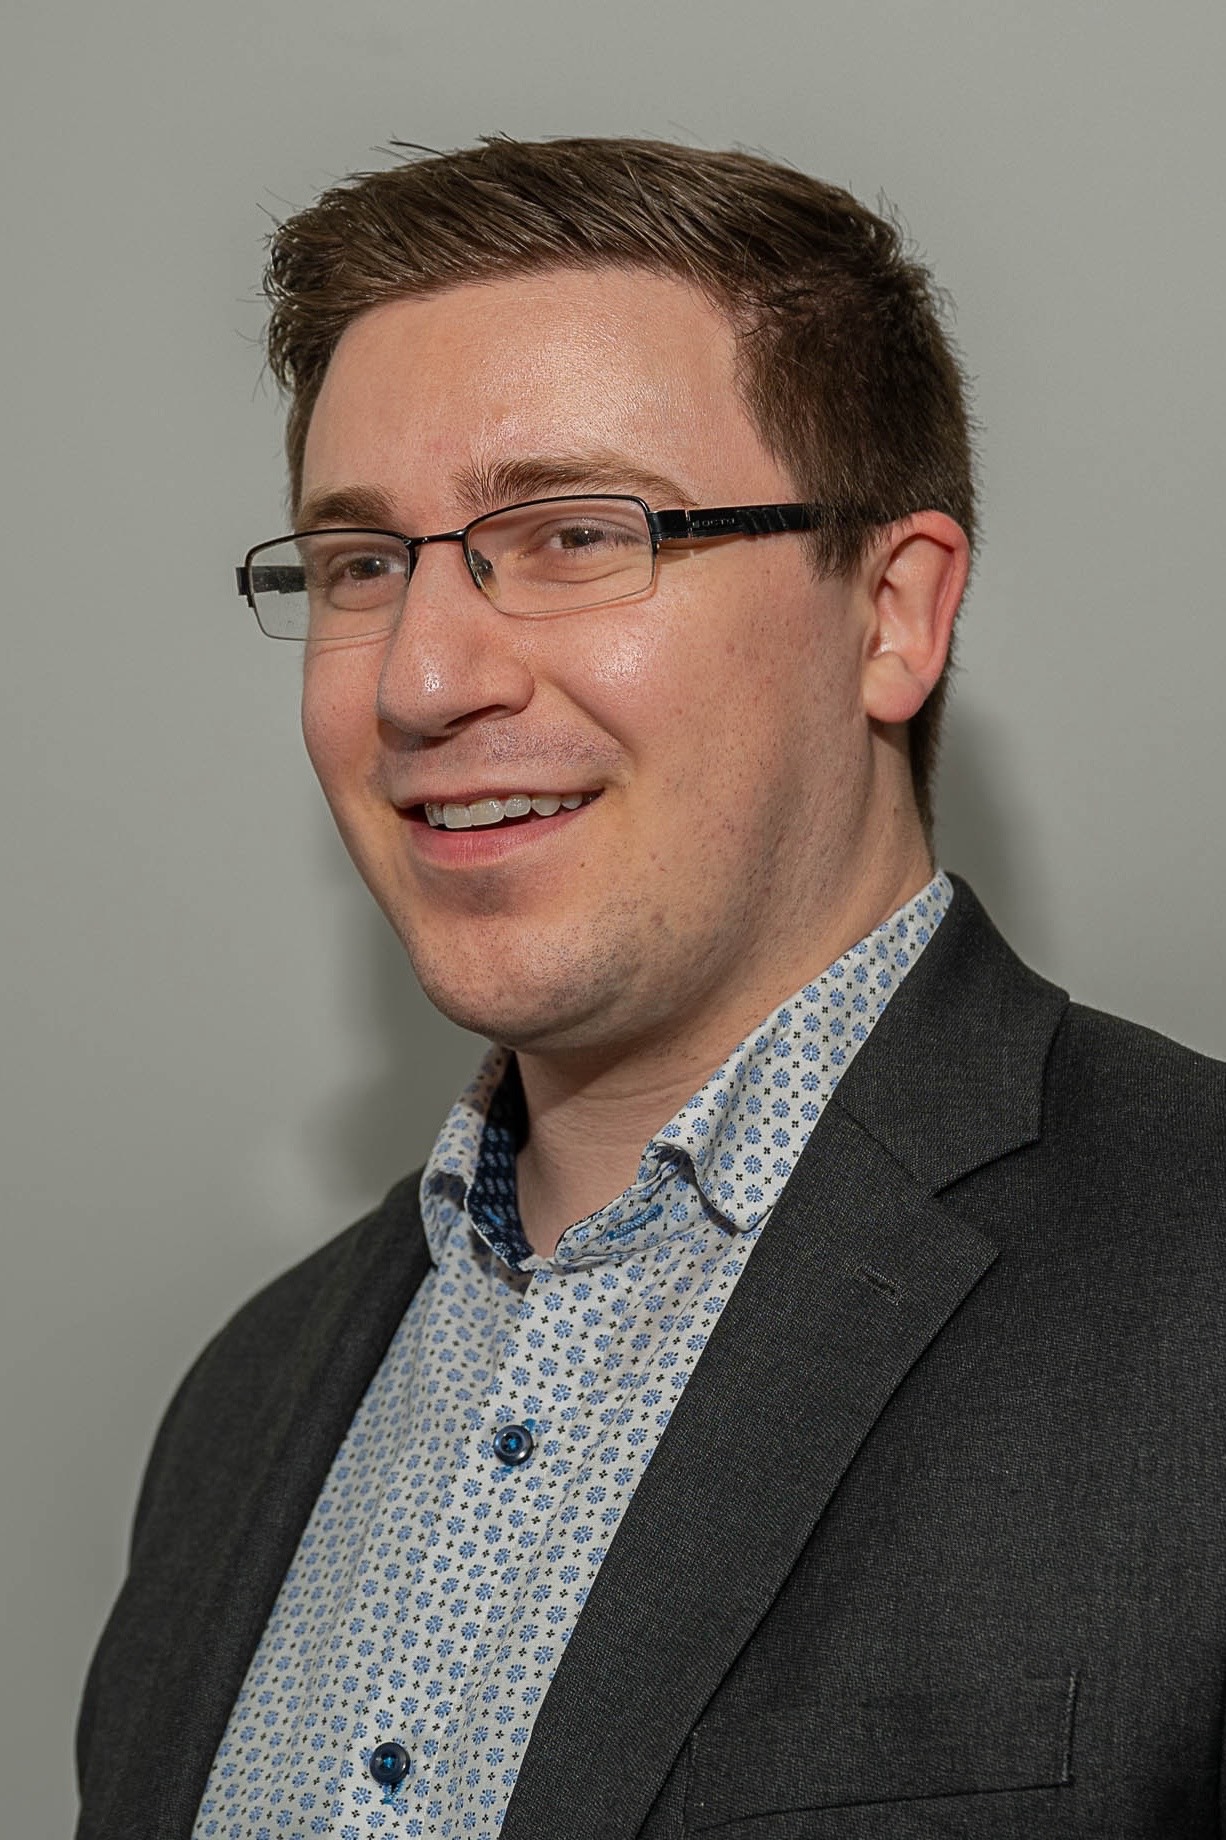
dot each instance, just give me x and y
(880, 1746)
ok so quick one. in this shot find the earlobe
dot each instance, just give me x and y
(915, 582)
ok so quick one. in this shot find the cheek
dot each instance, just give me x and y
(629, 679)
(338, 717)
(723, 687)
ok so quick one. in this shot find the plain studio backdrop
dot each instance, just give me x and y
(214, 1053)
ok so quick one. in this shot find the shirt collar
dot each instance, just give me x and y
(740, 1134)
(743, 1131)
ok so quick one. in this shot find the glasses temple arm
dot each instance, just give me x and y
(746, 521)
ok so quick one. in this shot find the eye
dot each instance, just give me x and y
(354, 576)
(581, 536)
(564, 545)
(359, 568)
(589, 534)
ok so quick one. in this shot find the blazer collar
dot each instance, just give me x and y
(855, 1274)
(952, 1077)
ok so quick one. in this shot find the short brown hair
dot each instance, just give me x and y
(845, 366)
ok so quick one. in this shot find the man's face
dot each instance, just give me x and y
(713, 726)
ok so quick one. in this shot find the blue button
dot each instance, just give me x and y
(389, 1764)
(513, 1444)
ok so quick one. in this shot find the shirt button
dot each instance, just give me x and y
(513, 1444)
(389, 1765)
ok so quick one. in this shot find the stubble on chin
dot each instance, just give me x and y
(535, 990)
(625, 984)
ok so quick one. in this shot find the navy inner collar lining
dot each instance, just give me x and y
(493, 1197)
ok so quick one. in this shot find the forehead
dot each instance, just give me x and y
(562, 362)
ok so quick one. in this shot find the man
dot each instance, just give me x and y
(789, 1402)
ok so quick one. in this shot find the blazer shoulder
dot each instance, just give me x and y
(245, 1444)
(265, 1338)
(274, 1314)
(1137, 1119)
(1138, 1070)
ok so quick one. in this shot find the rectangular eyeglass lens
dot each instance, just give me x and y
(570, 553)
(337, 584)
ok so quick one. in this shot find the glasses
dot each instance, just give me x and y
(553, 555)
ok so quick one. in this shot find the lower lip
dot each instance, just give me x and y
(487, 843)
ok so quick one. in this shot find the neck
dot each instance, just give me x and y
(591, 1115)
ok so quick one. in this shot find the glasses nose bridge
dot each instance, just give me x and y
(415, 545)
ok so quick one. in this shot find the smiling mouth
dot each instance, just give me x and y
(517, 808)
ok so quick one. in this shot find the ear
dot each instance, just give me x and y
(915, 581)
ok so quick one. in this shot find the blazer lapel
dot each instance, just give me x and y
(856, 1272)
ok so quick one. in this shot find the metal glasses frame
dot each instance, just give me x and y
(694, 526)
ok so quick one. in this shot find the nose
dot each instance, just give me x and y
(451, 656)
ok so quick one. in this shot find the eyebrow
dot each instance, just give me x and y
(488, 486)
(361, 505)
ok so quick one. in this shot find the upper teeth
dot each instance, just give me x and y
(493, 811)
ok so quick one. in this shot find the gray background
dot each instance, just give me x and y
(214, 1055)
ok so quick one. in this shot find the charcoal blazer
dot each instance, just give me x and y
(934, 1541)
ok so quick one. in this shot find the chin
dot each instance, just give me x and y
(538, 998)
(531, 1027)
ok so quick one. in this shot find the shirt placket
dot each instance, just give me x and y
(475, 1552)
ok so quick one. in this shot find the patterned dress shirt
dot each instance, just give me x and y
(438, 1581)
